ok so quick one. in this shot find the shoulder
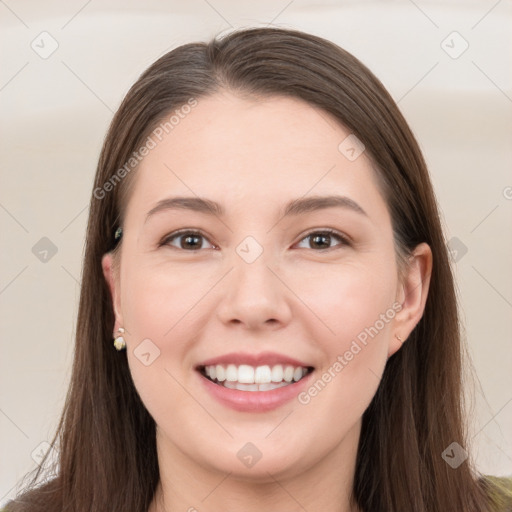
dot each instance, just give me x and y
(499, 490)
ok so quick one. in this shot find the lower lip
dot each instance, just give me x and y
(254, 401)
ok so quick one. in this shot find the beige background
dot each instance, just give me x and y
(55, 112)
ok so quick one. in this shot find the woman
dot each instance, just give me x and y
(265, 249)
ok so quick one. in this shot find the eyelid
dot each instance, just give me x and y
(180, 232)
(345, 239)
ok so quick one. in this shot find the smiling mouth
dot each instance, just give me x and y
(254, 378)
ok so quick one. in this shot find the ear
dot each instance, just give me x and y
(112, 278)
(412, 295)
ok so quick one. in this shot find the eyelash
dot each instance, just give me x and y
(343, 239)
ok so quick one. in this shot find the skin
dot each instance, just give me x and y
(253, 156)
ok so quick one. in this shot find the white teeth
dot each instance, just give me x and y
(250, 378)
(221, 373)
(247, 387)
(263, 375)
(231, 373)
(272, 385)
(277, 373)
(245, 374)
(254, 387)
(297, 374)
(288, 373)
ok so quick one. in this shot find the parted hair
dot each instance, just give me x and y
(105, 439)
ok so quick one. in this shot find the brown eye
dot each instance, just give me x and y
(186, 240)
(322, 240)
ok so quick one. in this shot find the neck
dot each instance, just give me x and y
(189, 486)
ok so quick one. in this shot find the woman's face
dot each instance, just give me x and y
(258, 287)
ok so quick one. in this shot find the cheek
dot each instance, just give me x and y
(157, 301)
(352, 325)
(345, 298)
(155, 306)
(158, 307)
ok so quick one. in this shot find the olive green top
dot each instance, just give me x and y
(501, 492)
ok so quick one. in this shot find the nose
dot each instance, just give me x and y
(254, 296)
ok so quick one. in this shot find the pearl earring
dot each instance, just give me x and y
(119, 342)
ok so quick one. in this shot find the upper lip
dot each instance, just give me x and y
(261, 359)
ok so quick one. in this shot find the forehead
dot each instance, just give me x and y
(251, 150)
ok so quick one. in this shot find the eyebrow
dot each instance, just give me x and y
(295, 207)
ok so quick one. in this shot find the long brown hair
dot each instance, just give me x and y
(107, 460)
